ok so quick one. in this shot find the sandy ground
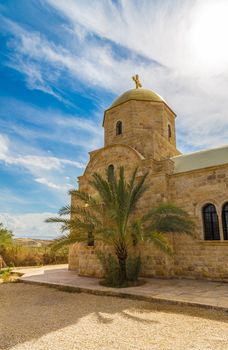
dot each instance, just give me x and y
(35, 317)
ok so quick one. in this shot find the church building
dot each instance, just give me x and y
(139, 131)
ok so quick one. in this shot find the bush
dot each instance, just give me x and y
(13, 253)
(111, 270)
(133, 267)
(22, 255)
(5, 275)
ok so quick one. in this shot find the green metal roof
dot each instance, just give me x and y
(201, 159)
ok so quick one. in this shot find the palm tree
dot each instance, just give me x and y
(111, 216)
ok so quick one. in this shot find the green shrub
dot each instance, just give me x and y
(111, 269)
(133, 267)
(6, 274)
(22, 255)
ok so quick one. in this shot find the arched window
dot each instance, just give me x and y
(119, 128)
(210, 221)
(110, 171)
(169, 132)
(111, 168)
(225, 221)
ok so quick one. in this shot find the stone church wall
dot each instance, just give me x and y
(193, 258)
(191, 191)
(154, 263)
(145, 128)
(148, 141)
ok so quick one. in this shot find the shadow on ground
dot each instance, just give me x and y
(28, 311)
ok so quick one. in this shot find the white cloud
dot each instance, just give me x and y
(50, 184)
(33, 162)
(152, 31)
(162, 31)
(50, 124)
(31, 225)
(193, 75)
(38, 165)
(4, 145)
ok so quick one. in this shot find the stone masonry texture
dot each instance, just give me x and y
(145, 143)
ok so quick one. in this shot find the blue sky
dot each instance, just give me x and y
(63, 62)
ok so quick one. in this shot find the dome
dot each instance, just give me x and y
(139, 95)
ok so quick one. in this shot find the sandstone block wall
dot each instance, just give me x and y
(191, 191)
(193, 258)
(145, 128)
(154, 262)
(145, 144)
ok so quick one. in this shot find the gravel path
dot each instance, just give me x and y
(35, 317)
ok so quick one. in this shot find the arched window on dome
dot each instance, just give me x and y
(210, 222)
(119, 128)
(169, 132)
(110, 171)
(225, 221)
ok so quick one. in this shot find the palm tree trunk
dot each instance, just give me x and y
(121, 253)
(122, 269)
(90, 240)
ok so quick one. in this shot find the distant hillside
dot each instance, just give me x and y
(32, 242)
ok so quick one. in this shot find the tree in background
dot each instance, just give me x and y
(6, 239)
(6, 236)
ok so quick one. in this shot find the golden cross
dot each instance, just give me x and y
(137, 81)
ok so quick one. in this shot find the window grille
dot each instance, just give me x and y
(225, 221)
(210, 220)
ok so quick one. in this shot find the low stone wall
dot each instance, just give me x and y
(83, 259)
(73, 257)
(191, 259)
(154, 263)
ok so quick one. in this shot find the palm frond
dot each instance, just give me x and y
(169, 218)
(158, 239)
(66, 240)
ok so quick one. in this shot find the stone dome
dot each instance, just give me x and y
(137, 94)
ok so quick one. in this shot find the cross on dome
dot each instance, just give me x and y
(137, 81)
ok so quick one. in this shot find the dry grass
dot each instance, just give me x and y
(35, 317)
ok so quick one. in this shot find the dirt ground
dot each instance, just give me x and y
(35, 317)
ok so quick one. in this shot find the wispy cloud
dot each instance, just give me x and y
(158, 43)
(91, 53)
(166, 32)
(50, 124)
(50, 184)
(37, 165)
(33, 161)
(31, 225)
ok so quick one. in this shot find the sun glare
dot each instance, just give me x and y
(209, 34)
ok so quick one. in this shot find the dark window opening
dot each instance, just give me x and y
(210, 221)
(110, 172)
(169, 132)
(225, 221)
(119, 130)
